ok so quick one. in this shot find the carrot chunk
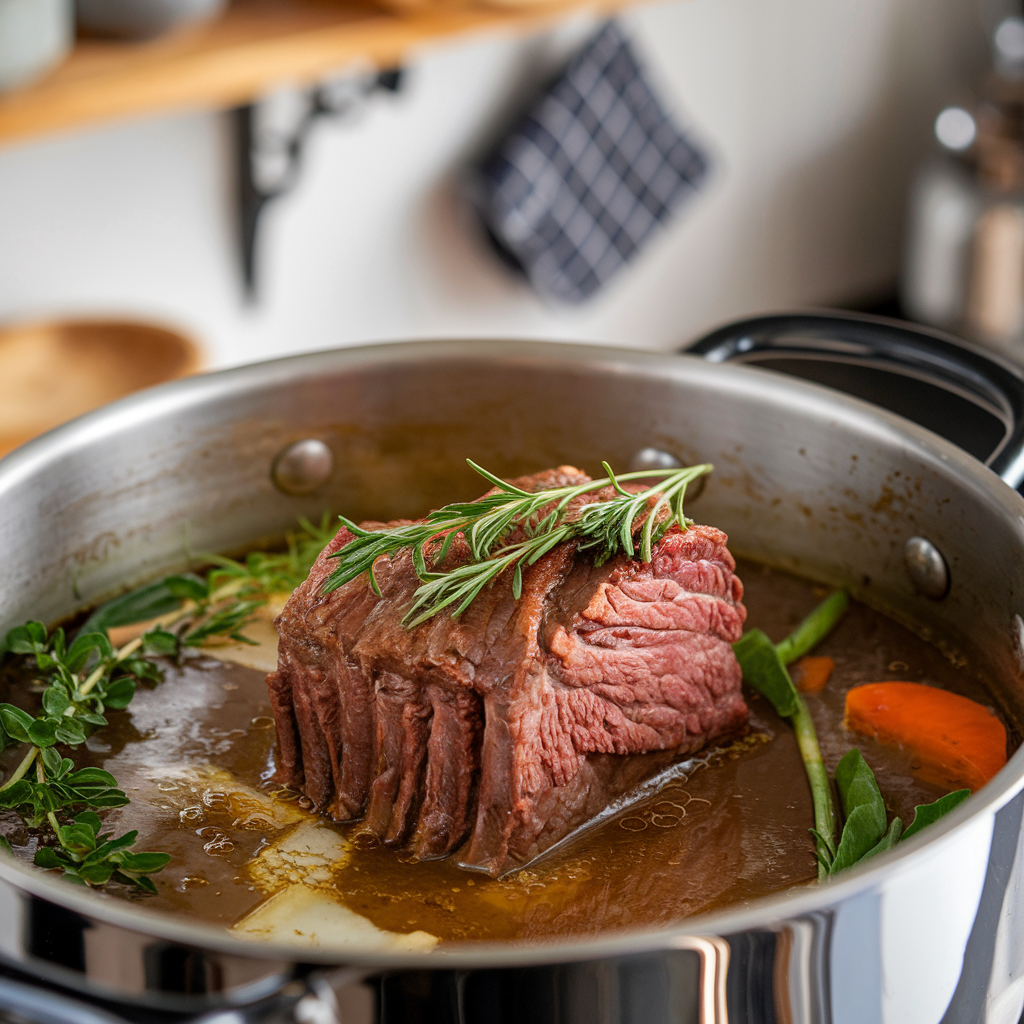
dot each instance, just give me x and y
(811, 674)
(959, 743)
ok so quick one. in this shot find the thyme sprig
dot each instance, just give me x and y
(264, 574)
(91, 857)
(88, 676)
(546, 518)
(82, 680)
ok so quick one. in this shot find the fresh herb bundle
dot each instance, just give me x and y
(88, 677)
(546, 519)
(865, 832)
(197, 609)
(82, 680)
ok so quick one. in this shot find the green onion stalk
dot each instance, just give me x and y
(764, 668)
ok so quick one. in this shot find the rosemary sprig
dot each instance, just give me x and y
(604, 527)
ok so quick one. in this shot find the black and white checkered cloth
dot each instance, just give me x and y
(571, 195)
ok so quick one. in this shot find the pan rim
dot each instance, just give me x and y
(766, 913)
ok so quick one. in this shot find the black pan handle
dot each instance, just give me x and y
(974, 373)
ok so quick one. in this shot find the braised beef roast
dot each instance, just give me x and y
(515, 723)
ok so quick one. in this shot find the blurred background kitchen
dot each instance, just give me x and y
(132, 187)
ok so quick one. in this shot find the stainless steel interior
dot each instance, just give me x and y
(805, 479)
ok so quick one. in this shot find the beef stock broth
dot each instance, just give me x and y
(196, 752)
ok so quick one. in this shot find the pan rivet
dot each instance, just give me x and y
(302, 467)
(926, 568)
(653, 458)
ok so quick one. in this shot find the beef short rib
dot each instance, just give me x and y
(500, 732)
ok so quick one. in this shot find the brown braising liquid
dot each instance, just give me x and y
(729, 828)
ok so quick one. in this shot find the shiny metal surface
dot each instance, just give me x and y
(302, 467)
(909, 354)
(653, 458)
(806, 480)
(926, 568)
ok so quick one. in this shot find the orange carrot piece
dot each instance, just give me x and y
(960, 743)
(811, 674)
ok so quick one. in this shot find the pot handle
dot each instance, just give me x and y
(985, 378)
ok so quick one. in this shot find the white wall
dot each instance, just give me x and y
(814, 110)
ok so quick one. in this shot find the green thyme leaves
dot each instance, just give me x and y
(61, 789)
(543, 520)
(82, 680)
(89, 856)
(86, 677)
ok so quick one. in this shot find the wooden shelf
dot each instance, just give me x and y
(256, 45)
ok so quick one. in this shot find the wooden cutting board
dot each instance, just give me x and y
(52, 371)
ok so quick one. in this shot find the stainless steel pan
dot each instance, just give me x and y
(806, 479)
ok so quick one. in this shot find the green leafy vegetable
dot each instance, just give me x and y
(888, 841)
(141, 605)
(865, 834)
(863, 810)
(546, 519)
(928, 814)
(765, 672)
(821, 793)
(220, 605)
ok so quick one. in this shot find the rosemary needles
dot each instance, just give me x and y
(510, 528)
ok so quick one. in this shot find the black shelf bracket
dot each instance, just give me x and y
(268, 161)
